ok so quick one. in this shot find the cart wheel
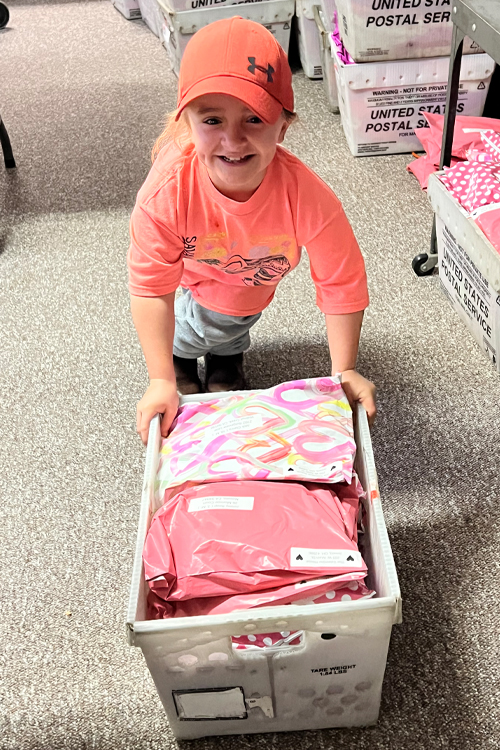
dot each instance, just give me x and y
(419, 265)
(4, 15)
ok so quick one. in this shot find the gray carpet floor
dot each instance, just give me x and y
(83, 93)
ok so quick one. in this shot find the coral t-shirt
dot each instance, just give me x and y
(231, 254)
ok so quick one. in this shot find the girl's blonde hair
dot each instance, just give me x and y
(179, 132)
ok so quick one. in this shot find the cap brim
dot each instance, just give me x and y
(254, 96)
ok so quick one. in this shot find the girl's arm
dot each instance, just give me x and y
(154, 320)
(343, 339)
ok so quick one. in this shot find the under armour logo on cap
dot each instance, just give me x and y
(268, 71)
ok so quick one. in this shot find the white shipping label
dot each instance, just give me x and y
(220, 502)
(232, 424)
(317, 471)
(469, 292)
(313, 582)
(303, 557)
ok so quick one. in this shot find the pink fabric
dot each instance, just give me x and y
(232, 538)
(431, 138)
(473, 184)
(488, 219)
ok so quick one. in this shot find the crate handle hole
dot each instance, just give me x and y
(218, 656)
(328, 636)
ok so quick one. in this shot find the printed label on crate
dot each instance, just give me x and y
(220, 502)
(397, 112)
(469, 292)
(383, 120)
(208, 3)
(303, 557)
(327, 671)
(397, 29)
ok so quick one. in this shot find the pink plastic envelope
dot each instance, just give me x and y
(473, 184)
(314, 591)
(491, 143)
(301, 430)
(236, 537)
(346, 497)
(466, 136)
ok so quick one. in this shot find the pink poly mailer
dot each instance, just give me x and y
(467, 136)
(313, 591)
(301, 430)
(232, 538)
(473, 184)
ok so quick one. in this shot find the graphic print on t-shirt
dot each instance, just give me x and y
(265, 262)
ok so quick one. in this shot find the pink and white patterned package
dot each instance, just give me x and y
(300, 430)
(473, 184)
(491, 143)
(353, 591)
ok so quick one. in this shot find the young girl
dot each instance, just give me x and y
(224, 212)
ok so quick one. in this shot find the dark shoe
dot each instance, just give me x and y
(186, 374)
(224, 373)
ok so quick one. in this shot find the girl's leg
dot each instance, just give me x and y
(224, 338)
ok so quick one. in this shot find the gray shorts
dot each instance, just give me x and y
(199, 331)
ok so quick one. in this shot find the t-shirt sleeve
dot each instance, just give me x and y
(337, 266)
(154, 257)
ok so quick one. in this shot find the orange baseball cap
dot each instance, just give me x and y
(241, 58)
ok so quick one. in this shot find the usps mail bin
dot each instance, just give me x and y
(209, 688)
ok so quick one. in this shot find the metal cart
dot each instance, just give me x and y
(479, 20)
(4, 137)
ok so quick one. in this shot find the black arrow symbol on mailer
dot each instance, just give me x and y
(299, 557)
(350, 558)
(290, 469)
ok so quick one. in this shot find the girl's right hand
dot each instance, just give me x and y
(160, 398)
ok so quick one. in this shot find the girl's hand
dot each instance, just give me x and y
(358, 388)
(160, 398)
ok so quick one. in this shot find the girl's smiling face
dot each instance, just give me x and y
(234, 144)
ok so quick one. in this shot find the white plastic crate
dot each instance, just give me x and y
(181, 5)
(151, 15)
(469, 269)
(329, 78)
(397, 29)
(128, 8)
(178, 27)
(208, 688)
(382, 103)
(309, 40)
(329, 10)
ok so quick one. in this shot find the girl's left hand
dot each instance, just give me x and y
(358, 388)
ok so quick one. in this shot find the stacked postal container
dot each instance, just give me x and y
(401, 51)
(182, 18)
(309, 39)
